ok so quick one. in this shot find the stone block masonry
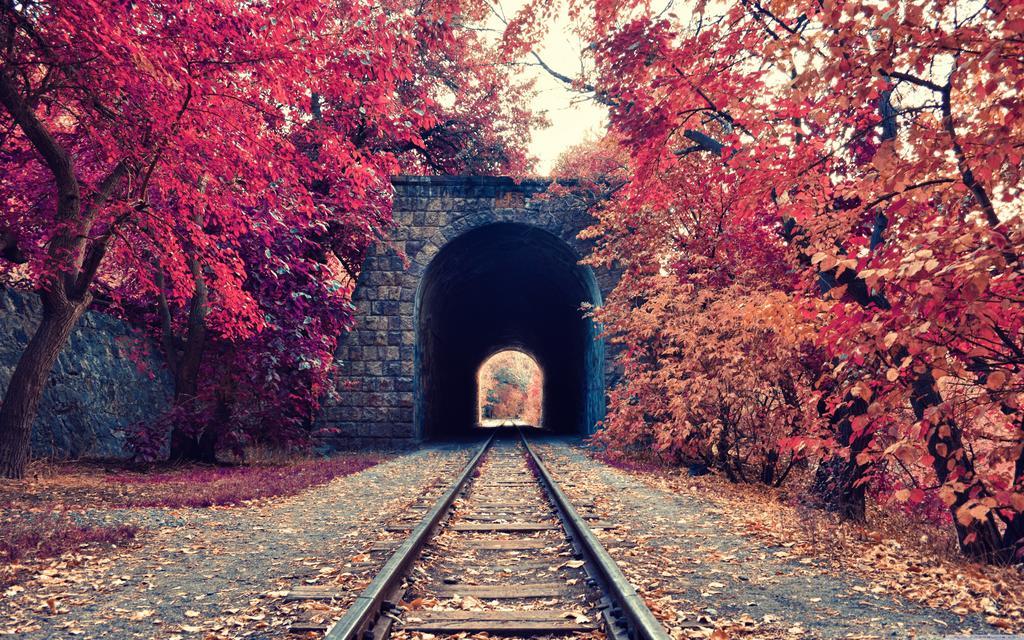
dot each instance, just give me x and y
(376, 385)
(96, 390)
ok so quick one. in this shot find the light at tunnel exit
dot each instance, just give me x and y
(510, 392)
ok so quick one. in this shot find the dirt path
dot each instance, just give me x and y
(220, 572)
(685, 557)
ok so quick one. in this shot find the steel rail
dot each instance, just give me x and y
(368, 604)
(640, 622)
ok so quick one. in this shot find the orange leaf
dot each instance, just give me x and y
(996, 380)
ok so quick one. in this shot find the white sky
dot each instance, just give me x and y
(573, 118)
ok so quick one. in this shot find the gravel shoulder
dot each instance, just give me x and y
(218, 572)
(692, 565)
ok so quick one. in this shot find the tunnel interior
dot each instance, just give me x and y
(503, 286)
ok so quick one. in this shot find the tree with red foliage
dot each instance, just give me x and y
(268, 385)
(705, 313)
(882, 148)
(159, 158)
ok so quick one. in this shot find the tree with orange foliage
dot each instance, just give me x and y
(880, 151)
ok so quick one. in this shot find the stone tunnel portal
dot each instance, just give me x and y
(474, 264)
(506, 285)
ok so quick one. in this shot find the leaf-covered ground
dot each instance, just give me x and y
(731, 558)
(214, 572)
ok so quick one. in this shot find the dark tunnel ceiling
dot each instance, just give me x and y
(504, 285)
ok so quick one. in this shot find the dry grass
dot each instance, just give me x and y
(38, 535)
(225, 486)
(75, 486)
(29, 540)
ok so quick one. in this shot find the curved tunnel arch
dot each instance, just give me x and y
(506, 285)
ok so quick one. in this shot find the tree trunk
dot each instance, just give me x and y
(838, 482)
(74, 260)
(980, 539)
(768, 468)
(1013, 537)
(185, 357)
(25, 389)
(199, 447)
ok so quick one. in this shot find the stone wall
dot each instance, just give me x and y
(375, 402)
(96, 390)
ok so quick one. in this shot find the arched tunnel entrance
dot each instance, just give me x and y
(506, 285)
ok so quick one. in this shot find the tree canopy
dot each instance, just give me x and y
(214, 171)
(819, 227)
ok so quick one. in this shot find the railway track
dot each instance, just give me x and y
(500, 551)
